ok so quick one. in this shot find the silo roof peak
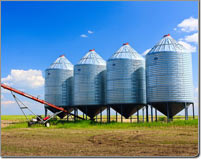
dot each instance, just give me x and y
(126, 52)
(125, 44)
(92, 58)
(167, 44)
(166, 35)
(61, 63)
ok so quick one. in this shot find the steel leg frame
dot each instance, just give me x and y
(151, 113)
(147, 114)
(143, 114)
(86, 112)
(168, 115)
(138, 115)
(156, 115)
(193, 110)
(108, 114)
(121, 114)
(101, 115)
(186, 111)
(116, 116)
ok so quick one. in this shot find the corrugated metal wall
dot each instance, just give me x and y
(169, 73)
(126, 81)
(89, 80)
(58, 82)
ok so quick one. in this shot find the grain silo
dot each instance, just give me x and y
(169, 77)
(58, 83)
(89, 84)
(126, 83)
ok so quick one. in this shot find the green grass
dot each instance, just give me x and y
(114, 125)
(86, 124)
(15, 117)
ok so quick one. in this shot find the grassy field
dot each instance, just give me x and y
(85, 138)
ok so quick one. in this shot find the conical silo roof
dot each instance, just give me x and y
(167, 44)
(92, 58)
(126, 52)
(61, 63)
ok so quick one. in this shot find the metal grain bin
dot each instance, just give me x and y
(126, 83)
(169, 76)
(58, 83)
(89, 84)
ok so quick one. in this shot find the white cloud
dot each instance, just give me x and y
(192, 38)
(175, 29)
(7, 102)
(189, 25)
(90, 32)
(146, 51)
(188, 46)
(5, 91)
(84, 36)
(25, 79)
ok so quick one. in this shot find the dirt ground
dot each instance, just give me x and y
(5, 123)
(41, 141)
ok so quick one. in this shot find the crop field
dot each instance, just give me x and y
(86, 138)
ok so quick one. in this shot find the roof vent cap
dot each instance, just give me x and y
(166, 35)
(92, 50)
(125, 44)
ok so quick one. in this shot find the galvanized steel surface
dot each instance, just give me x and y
(89, 80)
(169, 72)
(126, 81)
(62, 63)
(58, 82)
(92, 58)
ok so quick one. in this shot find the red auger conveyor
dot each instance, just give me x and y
(57, 109)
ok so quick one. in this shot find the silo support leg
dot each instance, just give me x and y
(193, 111)
(186, 112)
(101, 116)
(116, 117)
(155, 114)
(121, 114)
(168, 115)
(108, 114)
(86, 112)
(74, 113)
(151, 113)
(137, 115)
(147, 113)
(143, 114)
(131, 119)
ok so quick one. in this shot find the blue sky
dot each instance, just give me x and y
(34, 34)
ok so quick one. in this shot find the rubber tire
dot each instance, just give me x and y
(29, 124)
(47, 125)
